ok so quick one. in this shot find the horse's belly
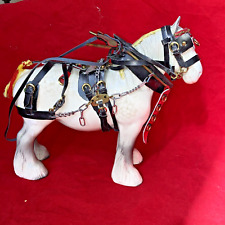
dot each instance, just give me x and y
(89, 121)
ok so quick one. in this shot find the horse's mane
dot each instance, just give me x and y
(144, 37)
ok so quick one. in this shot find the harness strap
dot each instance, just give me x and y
(103, 90)
(115, 124)
(147, 127)
(99, 110)
(66, 78)
(156, 73)
(192, 60)
(31, 88)
(144, 60)
(188, 63)
(14, 101)
(38, 115)
(61, 101)
(72, 61)
(177, 45)
(38, 63)
(130, 48)
(167, 38)
(79, 46)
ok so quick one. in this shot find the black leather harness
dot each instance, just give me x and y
(121, 54)
(177, 45)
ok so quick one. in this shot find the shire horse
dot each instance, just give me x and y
(130, 86)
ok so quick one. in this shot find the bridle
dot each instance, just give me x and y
(177, 44)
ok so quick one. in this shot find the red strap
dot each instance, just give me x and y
(181, 32)
(162, 99)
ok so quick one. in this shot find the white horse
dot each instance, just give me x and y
(132, 112)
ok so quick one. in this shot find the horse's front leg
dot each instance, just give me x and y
(124, 172)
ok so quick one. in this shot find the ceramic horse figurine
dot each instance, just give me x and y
(132, 107)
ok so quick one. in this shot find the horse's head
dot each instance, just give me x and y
(182, 53)
(174, 46)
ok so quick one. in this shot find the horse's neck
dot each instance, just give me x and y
(149, 45)
(118, 82)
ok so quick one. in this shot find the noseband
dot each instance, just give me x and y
(178, 43)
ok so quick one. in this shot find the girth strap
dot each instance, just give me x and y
(38, 115)
(100, 110)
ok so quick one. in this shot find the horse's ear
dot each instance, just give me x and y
(176, 25)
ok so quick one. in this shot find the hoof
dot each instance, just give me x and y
(40, 151)
(30, 170)
(127, 176)
(137, 157)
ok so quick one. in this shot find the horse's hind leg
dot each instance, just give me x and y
(26, 164)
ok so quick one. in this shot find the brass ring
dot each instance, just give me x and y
(86, 84)
(174, 76)
(158, 108)
(148, 127)
(183, 70)
(153, 119)
(174, 43)
(101, 81)
(164, 98)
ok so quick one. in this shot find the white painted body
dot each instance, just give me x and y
(133, 111)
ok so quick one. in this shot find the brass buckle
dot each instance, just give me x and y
(58, 104)
(86, 84)
(31, 85)
(179, 74)
(101, 82)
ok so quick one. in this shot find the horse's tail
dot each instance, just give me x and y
(8, 93)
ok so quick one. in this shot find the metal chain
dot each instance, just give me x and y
(114, 97)
(119, 95)
(97, 72)
(81, 109)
